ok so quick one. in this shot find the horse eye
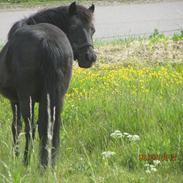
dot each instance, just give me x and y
(73, 27)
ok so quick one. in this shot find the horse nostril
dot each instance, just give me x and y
(90, 57)
(87, 57)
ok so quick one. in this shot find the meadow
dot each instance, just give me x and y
(122, 119)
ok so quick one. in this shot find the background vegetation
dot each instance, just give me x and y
(128, 106)
(48, 3)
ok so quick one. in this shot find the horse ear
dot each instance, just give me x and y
(92, 8)
(72, 8)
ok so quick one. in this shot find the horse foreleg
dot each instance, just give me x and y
(16, 125)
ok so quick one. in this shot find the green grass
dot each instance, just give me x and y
(49, 3)
(141, 99)
(36, 3)
(147, 102)
(44, 3)
(33, 3)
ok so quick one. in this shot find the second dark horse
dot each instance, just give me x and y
(36, 66)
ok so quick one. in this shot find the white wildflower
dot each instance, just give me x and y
(152, 166)
(133, 137)
(100, 179)
(148, 171)
(129, 136)
(147, 165)
(153, 169)
(126, 134)
(108, 154)
(156, 162)
(116, 134)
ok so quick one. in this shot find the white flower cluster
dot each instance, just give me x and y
(108, 154)
(133, 137)
(118, 134)
(152, 167)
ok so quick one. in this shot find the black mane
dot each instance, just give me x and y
(58, 16)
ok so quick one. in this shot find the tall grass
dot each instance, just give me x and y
(142, 101)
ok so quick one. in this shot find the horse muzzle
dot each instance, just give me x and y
(87, 59)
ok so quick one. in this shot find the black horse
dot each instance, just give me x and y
(36, 66)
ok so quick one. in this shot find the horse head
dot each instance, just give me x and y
(80, 34)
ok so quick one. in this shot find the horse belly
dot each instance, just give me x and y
(9, 93)
(28, 85)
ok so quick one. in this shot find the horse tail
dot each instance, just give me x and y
(4, 51)
(51, 96)
(5, 62)
(51, 73)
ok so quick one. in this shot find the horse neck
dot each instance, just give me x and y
(56, 16)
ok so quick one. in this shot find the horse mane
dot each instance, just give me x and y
(58, 16)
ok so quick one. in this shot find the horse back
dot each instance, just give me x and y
(31, 50)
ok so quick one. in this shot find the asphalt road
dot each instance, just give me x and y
(115, 21)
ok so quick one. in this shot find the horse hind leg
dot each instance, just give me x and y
(55, 139)
(45, 123)
(42, 129)
(33, 126)
(56, 130)
(49, 128)
(16, 125)
(27, 108)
